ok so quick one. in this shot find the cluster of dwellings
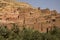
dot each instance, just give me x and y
(25, 15)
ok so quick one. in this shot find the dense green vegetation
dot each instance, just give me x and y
(28, 34)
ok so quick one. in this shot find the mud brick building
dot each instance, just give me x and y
(25, 15)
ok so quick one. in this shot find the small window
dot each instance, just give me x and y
(48, 21)
(18, 16)
(53, 20)
(47, 30)
(7, 18)
(30, 13)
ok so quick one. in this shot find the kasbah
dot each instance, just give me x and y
(27, 16)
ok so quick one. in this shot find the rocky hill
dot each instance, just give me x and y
(24, 14)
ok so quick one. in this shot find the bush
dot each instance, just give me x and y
(27, 34)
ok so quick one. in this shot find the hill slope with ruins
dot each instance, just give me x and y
(24, 14)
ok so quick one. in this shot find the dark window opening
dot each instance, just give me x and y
(48, 21)
(53, 20)
(30, 13)
(7, 18)
(47, 30)
(18, 16)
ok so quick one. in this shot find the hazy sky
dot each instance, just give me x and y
(51, 4)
